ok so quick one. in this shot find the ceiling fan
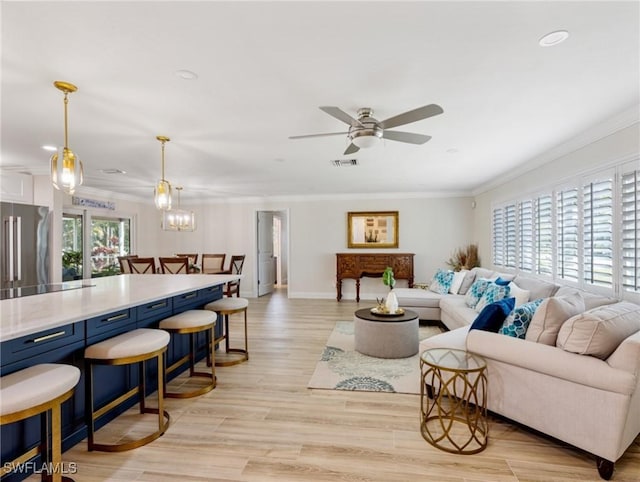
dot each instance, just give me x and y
(365, 131)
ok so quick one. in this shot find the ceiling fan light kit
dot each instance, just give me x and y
(366, 131)
(66, 168)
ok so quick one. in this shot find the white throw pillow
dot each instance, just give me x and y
(550, 316)
(599, 332)
(458, 278)
(521, 296)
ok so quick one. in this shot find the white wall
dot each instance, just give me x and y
(429, 227)
(622, 145)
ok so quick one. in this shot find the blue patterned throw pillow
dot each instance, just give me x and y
(492, 294)
(441, 282)
(517, 323)
(476, 291)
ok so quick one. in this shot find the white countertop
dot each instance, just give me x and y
(31, 314)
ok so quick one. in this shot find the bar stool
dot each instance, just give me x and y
(39, 389)
(135, 346)
(191, 322)
(226, 307)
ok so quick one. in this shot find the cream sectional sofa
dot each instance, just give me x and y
(588, 402)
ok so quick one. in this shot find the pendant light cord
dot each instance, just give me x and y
(66, 101)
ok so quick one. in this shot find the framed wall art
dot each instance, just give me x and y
(377, 229)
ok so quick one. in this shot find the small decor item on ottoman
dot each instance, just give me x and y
(388, 279)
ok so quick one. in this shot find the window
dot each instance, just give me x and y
(525, 236)
(567, 230)
(598, 232)
(510, 236)
(544, 235)
(498, 237)
(630, 213)
(110, 238)
(72, 252)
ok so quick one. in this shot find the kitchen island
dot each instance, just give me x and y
(56, 327)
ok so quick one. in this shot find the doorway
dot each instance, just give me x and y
(272, 251)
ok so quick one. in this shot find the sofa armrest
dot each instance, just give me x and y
(552, 361)
(627, 355)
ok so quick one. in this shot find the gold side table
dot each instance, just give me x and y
(453, 400)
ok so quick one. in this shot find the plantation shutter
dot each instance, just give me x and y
(567, 229)
(510, 235)
(544, 235)
(598, 232)
(525, 236)
(630, 196)
(498, 237)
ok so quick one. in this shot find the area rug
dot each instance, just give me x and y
(342, 368)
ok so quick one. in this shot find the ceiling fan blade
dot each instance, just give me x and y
(409, 137)
(319, 135)
(412, 116)
(340, 115)
(351, 149)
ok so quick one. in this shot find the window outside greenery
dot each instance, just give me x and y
(110, 238)
(71, 246)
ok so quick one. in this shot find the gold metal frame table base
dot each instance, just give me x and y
(453, 396)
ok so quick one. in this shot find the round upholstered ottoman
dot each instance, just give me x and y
(386, 336)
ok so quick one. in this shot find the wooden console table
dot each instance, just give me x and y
(360, 265)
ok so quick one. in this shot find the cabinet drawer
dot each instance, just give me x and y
(186, 299)
(118, 320)
(31, 345)
(155, 309)
(210, 294)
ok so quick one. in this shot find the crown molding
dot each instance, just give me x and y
(624, 119)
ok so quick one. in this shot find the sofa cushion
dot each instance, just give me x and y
(517, 323)
(454, 307)
(476, 291)
(469, 278)
(598, 332)
(591, 300)
(537, 288)
(485, 273)
(550, 316)
(412, 297)
(492, 294)
(521, 296)
(458, 278)
(493, 315)
(441, 281)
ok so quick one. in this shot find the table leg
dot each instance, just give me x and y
(358, 290)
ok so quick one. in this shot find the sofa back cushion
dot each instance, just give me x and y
(591, 300)
(550, 316)
(469, 278)
(537, 288)
(598, 332)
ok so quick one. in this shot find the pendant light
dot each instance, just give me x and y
(66, 168)
(178, 219)
(162, 191)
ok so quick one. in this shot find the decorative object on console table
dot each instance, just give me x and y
(372, 229)
(359, 265)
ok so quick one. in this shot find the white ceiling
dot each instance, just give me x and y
(265, 67)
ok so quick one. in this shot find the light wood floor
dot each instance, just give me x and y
(262, 423)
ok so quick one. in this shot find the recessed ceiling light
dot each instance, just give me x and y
(112, 171)
(186, 74)
(452, 150)
(553, 38)
(50, 148)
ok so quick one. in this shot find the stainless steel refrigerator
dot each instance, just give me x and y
(25, 245)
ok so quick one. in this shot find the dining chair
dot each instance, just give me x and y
(142, 265)
(193, 257)
(124, 264)
(174, 265)
(235, 267)
(213, 263)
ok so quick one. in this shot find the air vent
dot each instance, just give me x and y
(344, 162)
(113, 171)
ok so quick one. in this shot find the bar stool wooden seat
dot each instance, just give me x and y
(39, 389)
(135, 346)
(226, 307)
(191, 322)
